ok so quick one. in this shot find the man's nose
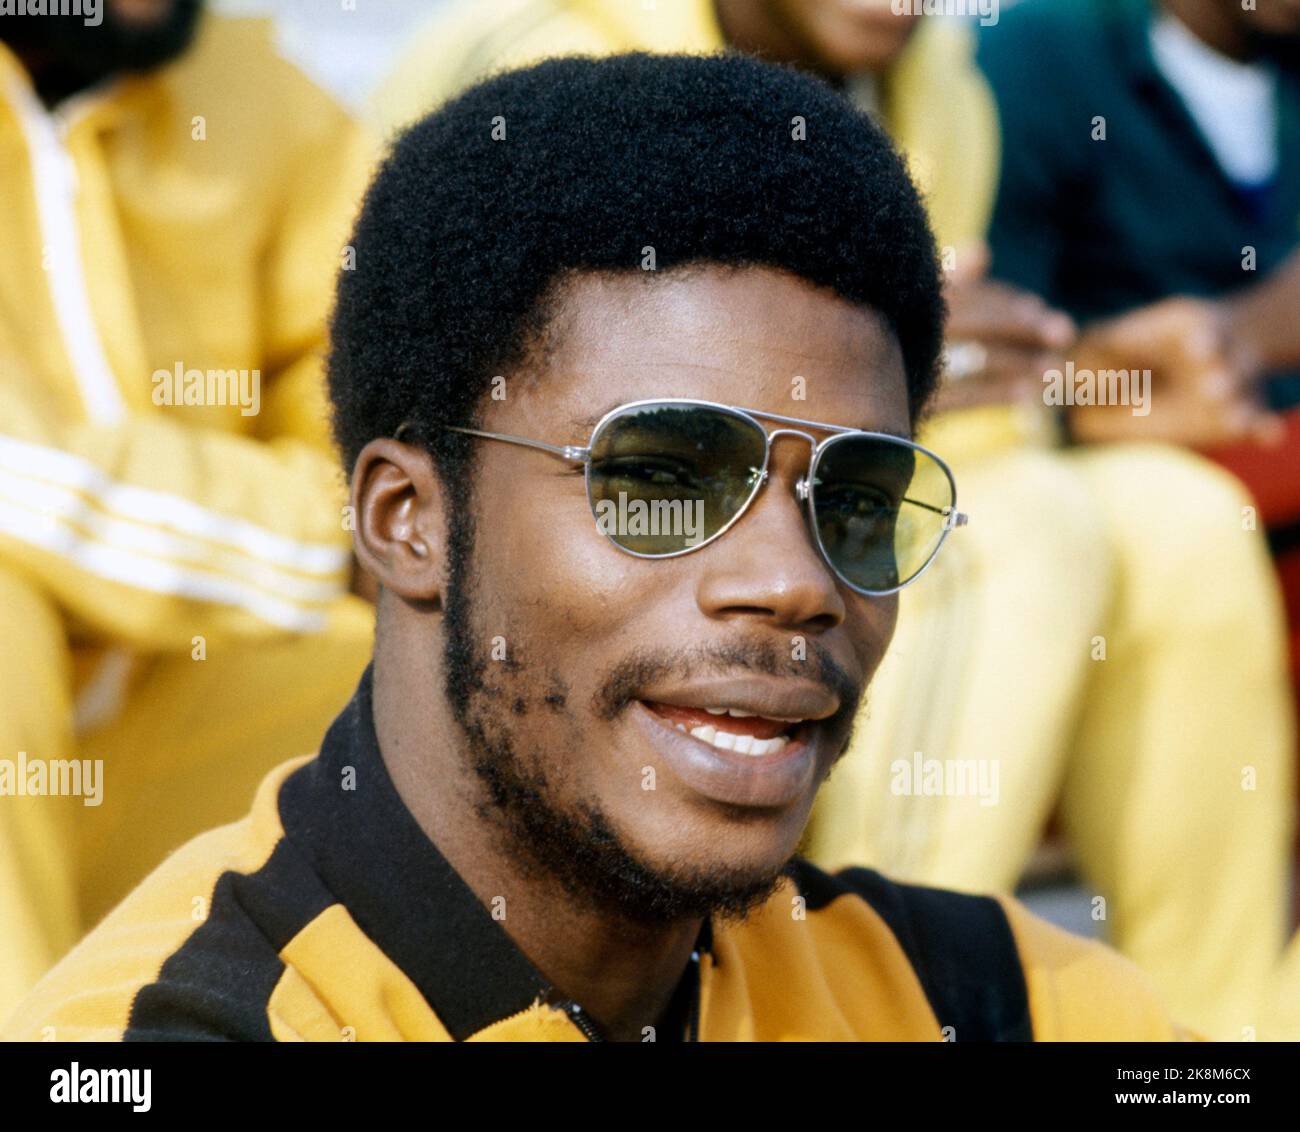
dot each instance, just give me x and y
(766, 566)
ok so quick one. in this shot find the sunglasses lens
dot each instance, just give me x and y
(880, 507)
(664, 477)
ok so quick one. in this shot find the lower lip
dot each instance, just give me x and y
(759, 781)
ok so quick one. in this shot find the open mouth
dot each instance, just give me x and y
(730, 729)
(752, 741)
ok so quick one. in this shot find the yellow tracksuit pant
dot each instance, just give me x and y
(1105, 636)
(182, 751)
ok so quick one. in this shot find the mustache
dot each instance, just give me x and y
(643, 668)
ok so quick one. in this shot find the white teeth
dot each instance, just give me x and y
(742, 744)
(740, 713)
(716, 710)
(768, 746)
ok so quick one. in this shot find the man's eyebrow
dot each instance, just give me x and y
(588, 424)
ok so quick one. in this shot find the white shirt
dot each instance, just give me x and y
(1234, 104)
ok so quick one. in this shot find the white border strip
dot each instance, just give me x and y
(55, 187)
(170, 512)
(152, 574)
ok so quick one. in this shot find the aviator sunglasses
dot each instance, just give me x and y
(666, 477)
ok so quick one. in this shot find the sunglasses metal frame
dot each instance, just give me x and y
(581, 454)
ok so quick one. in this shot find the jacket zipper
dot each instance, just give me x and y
(693, 1024)
(579, 1017)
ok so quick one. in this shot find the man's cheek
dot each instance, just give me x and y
(597, 594)
(536, 549)
(872, 628)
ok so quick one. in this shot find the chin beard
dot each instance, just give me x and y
(574, 845)
(580, 849)
(70, 55)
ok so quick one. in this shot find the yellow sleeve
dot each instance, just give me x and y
(89, 994)
(1082, 991)
(149, 532)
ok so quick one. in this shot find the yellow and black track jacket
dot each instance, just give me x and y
(327, 915)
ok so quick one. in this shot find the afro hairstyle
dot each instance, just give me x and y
(483, 207)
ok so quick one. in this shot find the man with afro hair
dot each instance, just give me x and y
(565, 800)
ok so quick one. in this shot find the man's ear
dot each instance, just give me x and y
(397, 499)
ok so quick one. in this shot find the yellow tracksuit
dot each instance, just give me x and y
(328, 915)
(174, 556)
(1171, 758)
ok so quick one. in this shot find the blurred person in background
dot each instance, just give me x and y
(1150, 185)
(1080, 644)
(174, 556)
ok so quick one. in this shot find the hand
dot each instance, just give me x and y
(1202, 387)
(1000, 339)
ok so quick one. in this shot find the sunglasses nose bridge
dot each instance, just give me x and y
(802, 487)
